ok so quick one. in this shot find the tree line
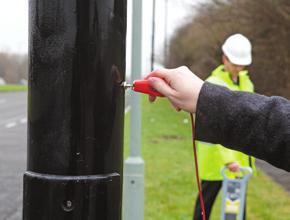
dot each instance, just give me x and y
(13, 67)
(265, 22)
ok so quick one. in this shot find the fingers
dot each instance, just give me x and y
(179, 85)
(177, 108)
(161, 73)
(152, 98)
(161, 86)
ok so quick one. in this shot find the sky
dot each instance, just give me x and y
(14, 26)
(179, 12)
(14, 22)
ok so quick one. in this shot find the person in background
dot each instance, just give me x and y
(231, 74)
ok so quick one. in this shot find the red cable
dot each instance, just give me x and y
(196, 169)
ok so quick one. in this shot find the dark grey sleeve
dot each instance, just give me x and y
(254, 124)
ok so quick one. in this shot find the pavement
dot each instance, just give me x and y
(279, 176)
(13, 123)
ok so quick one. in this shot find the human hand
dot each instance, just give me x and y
(234, 167)
(180, 86)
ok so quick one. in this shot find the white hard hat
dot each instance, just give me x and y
(238, 49)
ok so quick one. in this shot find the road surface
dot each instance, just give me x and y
(13, 123)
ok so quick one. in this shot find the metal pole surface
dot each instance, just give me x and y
(134, 165)
(75, 110)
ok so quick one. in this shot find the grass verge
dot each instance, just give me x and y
(170, 186)
(12, 88)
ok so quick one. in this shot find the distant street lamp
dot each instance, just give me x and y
(153, 36)
(165, 53)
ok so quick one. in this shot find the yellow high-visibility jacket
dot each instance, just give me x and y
(213, 157)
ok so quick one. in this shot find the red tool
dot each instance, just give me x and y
(143, 87)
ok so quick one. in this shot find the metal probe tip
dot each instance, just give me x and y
(126, 85)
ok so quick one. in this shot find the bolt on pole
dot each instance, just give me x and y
(75, 110)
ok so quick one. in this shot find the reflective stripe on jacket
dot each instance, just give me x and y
(212, 157)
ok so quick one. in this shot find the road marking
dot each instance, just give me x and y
(10, 125)
(2, 101)
(23, 120)
(8, 120)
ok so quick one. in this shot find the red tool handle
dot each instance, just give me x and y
(144, 87)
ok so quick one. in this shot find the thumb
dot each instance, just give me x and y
(160, 85)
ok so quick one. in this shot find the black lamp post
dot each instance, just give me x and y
(76, 110)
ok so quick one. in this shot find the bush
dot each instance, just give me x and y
(13, 67)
